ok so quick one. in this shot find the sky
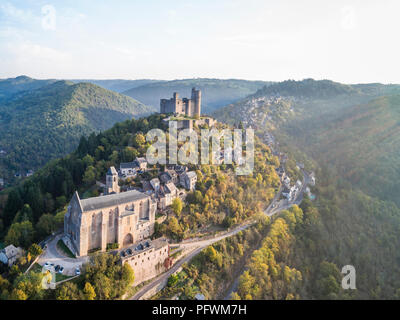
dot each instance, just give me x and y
(353, 41)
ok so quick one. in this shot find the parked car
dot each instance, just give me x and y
(77, 271)
(61, 270)
(57, 268)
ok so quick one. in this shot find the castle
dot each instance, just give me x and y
(188, 107)
(116, 218)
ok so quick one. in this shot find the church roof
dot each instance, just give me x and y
(111, 200)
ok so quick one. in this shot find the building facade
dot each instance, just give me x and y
(122, 218)
(189, 107)
(147, 258)
(188, 180)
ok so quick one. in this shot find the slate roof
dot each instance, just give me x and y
(110, 200)
(128, 165)
(191, 174)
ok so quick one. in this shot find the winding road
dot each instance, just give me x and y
(195, 247)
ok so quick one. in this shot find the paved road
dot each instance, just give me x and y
(195, 247)
(53, 255)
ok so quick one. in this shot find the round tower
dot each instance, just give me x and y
(196, 104)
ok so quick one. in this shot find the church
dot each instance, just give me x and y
(118, 219)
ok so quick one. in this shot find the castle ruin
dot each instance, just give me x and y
(188, 107)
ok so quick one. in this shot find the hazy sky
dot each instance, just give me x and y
(347, 41)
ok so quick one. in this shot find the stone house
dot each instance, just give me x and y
(128, 168)
(188, 180)
(142, 163)
(10, 254)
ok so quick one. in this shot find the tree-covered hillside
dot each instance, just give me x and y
(47, 123)
(12, 86)
(215, 92)
(117, 85)
(352, 128)
(351, 139)
(307, 88)
(362, 142)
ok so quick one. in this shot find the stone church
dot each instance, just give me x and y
(116, 218)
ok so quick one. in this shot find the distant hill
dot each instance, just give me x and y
(48, 122)
(307, 88)
(12, 86)
(215, 92)
(118, 85)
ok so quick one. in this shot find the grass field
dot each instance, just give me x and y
(61, 245)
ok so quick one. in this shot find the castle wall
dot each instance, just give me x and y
(148, 263)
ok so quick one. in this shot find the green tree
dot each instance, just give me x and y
(67, 291)
(89, 292)
(35, 249)
(46, 225)
(177, 206)
(20, 234)
(89, 177)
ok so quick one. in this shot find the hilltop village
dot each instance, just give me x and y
(152, 217)
(123, 217)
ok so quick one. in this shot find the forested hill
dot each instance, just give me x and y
(307, 88)
(12, 86)
(354, 128)
(117, 85)
(352, 139)
(47, 123)
(215, 92)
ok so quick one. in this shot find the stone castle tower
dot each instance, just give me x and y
(112, 181)
(196, 101)
(189, 107)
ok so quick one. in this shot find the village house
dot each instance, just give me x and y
(286, 181)
(155, 184)
(128, 168)
(10, 254)
(29, 173)
(132, 168)
(312, 179)
(166, 195)
(188, 180)
(142, 163)
(289, 193)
